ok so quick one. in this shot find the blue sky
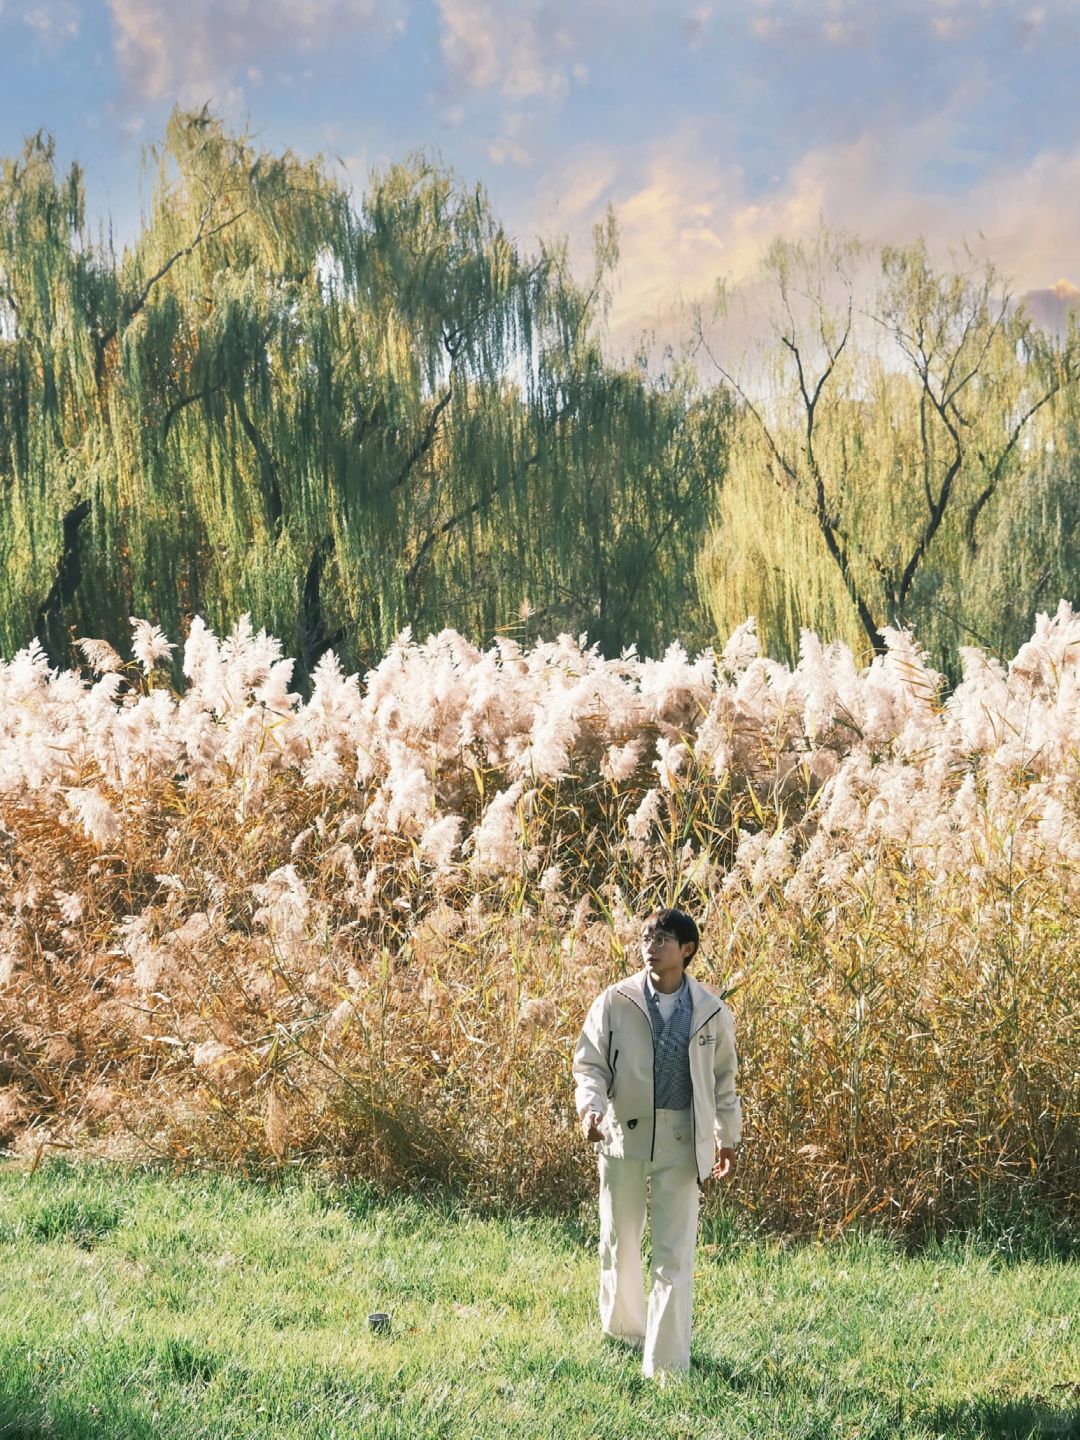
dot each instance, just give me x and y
(711, 127)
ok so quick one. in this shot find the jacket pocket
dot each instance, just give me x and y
(614, 1063)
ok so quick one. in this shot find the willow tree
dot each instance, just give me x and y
(53, 294)
(1025, 555)
(883, 450)
(342, 420)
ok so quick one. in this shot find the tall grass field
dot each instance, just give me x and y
(358, 932)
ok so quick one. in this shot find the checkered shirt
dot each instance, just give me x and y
(671, 1051)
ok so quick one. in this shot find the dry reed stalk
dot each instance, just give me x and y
(909, 1050)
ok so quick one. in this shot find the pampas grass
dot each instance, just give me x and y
(361, 933)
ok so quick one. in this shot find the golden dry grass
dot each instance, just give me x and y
(908, 1055)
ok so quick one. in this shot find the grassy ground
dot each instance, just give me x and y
(137, 1304)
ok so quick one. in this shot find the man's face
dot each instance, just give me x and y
(661, 952)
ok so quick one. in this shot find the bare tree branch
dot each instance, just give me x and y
(454, 520)
(997, 470)
(424, 443)
(267, 464)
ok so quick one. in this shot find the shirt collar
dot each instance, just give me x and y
(652, 995)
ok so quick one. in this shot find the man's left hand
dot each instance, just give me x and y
(725, 1164)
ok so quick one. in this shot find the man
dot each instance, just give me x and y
(655, 1069)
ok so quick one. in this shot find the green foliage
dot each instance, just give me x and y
(346, 420)
(900, 457)
(343, 421)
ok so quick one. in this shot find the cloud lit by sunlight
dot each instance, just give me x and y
(202, 49)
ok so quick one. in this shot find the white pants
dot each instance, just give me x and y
(663, 1330)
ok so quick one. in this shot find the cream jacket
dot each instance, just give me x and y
(613, 1070)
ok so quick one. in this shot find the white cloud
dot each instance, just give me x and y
(767, 27)
(508, 146)
(1030, 217)
(1029, 26)
(687, 219)
(510, 48)
(575, 191)
(54, 22)
(696, 26)
(503, 149)
(949, 27)
(196, 50)
(840, 32)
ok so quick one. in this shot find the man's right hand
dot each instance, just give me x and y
(590, 1125)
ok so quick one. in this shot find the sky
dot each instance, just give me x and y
(709, 127)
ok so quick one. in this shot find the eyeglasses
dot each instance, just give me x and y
(657, 937)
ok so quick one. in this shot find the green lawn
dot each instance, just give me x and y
(137, 1304)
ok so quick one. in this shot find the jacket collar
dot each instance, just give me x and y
(705, 1003)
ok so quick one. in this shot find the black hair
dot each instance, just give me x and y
(681, 925)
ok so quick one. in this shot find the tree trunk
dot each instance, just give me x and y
(49, 623)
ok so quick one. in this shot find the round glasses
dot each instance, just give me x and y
(657, 937)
